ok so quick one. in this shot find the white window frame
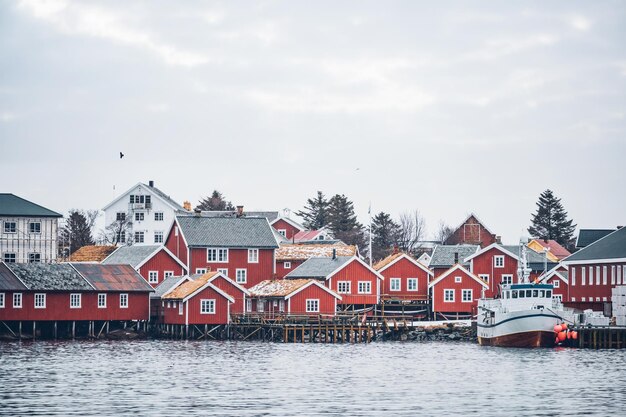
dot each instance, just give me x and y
(605, 273)
(281, 305)
(447, 291)
(260, 306)
(282, 232)
(497, 264)
(17, 300)
(347, 285)
(598, 275)
(509, 278)
(75, 297)
(287, 265)
(41, 297)
(158, 236)
(140, 216)
(245, 275)
(312, 305)
(124, 300)
(612, 274)
(7, 255)
(2, 298)
(597, 299)
(158, 216)
(573, 280)
(14, 228)
(30, 228)
(153, 277)
(167, 274)
(458, 279)
(180, 308)
(102, 300)
(200, 271)
(397, 281)
(412, 280)
(583, 299)
(583, 276)
(253, 256)
(32, 256)
(464, 292)
(367, 287)
(618, 279)
(556, 283)
(484, 277)
(573, 299)
(248, 305)
(207, 306)
(140, 237)
(223, 271)
(217, 255)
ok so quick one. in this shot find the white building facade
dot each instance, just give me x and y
(141, 215)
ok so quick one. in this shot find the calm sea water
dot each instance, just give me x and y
(170, 378)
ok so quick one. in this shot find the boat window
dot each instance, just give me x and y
(514, 293)
(542, 293)
(529, 293)
(535, 293)
(522, 294)
(549, 293)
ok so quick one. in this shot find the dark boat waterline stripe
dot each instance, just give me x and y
(517, 318)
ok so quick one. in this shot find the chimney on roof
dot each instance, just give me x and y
(456, 258)
(499, 240)
(197, 212)
(187, 205)
(334, 253)
(619, 227)
(239, 211)
(151, 183)
(396, 249)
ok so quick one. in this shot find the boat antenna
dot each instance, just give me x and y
(523, 271)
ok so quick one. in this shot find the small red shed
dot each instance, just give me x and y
(153, 262)
(292, 297)
(405, 278)
(455, 293)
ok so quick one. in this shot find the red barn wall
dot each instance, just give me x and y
(297, 303)
(176, 244)
(471, 232)
(484, 264)
(221, 315)
(355, 272)
(281, 271)
(562, 290)
(405, 269)
(289, 229)
(594, 294)
(439, 306)
(161, 262)
(237, 258)
(239, 305)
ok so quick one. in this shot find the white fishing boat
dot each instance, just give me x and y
(523, 316)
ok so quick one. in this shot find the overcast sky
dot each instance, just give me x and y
(450, 109)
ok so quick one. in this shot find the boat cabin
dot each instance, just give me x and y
(522, 295)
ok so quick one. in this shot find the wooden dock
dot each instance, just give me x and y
(599, 337)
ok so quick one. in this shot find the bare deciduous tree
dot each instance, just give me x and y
(443, 232)
(119, 231)
(412, 228)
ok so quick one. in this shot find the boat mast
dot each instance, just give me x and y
(523, 271)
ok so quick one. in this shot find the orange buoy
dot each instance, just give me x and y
(562, 336)
(556, 341)
(569, 335)
(564, 326)
(574, 335)
(558, 328)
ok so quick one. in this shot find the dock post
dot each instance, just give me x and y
(55, 330)
(34, 329)
(74, 329)
(20, 330)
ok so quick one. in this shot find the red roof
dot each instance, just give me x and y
(554, 247)
(306, 235)
(113, 277)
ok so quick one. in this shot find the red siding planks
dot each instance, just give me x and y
(449, 283)
(297, 303)
(354, 272)
(289, 229)
(160, 262)
(237, 259)
(405, 269)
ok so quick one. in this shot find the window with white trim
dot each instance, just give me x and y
(467, 295)
(207, 306)
(123, 300)
(102, 300)
(153, 277)
(1, 300)
(139, 237)
(556, 283)
(507, 279)
(312, 305)
(10, 227)
(158, 236)
(394, 284)
(180, 307)
(158, 216)
(498, 261)
(583, 299)
(282, 232)
(484, 277)
(17, 300)
(287, 265)
(121, 236)
(260, 306)
(411, 284)
(75, 300)
(598, 275)
(9, 258)
(34, 227)
(139, 217)
(34, 258)
(223, 271)
(448, 296)
(618, 279)
(612, 274)
(343, 287)
(281, 305)
(583, 277)
(573, 280)
(217, 255)
(40, 300)
(241, 275)
(573, 299)
(248, 305)
(458, 279)
(200, 270)
(597, 299)
(120, 216)
(167, 274)
(253, 256)
(365, 287)
(604, 274)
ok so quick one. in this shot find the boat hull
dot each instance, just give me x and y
(530, 339)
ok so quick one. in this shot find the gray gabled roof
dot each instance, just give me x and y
(227, 232)
(535, 259)
(269, 215)
(166, 285)
(8, 280)
(587, 236)
(165, 197)
(443, 255)
(14, 206)
(131, 255)
(612, 246)
(318, 267)
(50, 277)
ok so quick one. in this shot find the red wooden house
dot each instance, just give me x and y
(153, 262)
(558, 277)
(473, 232)
(242, 248)
(72, 292)
(497, 264)
(455, 293)
(290, 256)
(197, 301)
(405, 278)
(595, 270)
(445, 257)
(357, 283)
(286, 227)
(292, 297)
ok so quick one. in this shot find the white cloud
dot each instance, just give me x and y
(7, 117)
(497, 48)
(82, 19)
(580, 23)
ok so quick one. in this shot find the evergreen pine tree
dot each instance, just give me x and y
(550, 221)
(217, 202)
(343, 222)
(77, 229)
(315, 212)
(384, 235)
